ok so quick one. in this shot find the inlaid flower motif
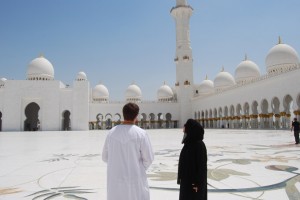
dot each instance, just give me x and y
(5, 191)
(221, 174)
(67, 192)
(163, 176)
(267, 158)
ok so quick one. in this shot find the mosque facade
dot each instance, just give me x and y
(245, 100)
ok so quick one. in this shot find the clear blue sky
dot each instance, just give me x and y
(118, 42)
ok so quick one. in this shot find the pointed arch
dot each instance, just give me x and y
(99, 118)
(66, 121)
(108, 121)
(32, 122)
(264, 106)
(287, 103)
(254, 108)
(117, 119)
(246, 109)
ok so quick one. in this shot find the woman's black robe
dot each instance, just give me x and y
(192, 168)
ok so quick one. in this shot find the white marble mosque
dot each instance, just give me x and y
(246, 100)
(251, 150)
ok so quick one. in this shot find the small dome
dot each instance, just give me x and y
(100, 93)
(81, 76)
(133, 93)
(246, 70)
(165, 93)
(281, 57)
(223, 80)
(40, 69)
(2, 82)
(206, 87)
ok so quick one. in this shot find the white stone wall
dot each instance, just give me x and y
(80, 102)
(53, 99)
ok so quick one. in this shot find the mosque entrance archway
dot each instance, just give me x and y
(99, 118)
(168, 120)
(117, 119)
(108, 121)
(32, 122)
(143, 120)
(160, 119)
(66, 121)
(0, 121)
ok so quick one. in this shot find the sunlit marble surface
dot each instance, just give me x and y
(242, 164)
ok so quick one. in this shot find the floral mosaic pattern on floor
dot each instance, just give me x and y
(242, 164)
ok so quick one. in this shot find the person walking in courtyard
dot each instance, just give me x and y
(192, 167)
(296, 127)
(128, 153)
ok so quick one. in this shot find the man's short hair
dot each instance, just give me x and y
(130, 111)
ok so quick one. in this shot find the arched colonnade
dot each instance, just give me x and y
(264, 114)
(146, 121)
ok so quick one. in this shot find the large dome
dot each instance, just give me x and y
(40, 69)
(245, 71)
(81, 76)
(206, 87)
(223, 80)
(165, 93)
(133, 93)
(100, 93)
(280, 58)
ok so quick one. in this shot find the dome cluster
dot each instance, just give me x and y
(281, 58)
(41, 69)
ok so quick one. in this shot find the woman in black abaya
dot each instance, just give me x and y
(192, 167)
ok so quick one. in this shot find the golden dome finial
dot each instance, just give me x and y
(206, 77)
(41, 55)
(222, 70)
(246, 57)
(279, 40)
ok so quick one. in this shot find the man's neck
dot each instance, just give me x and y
(128, 122)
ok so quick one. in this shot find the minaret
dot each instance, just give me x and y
(183, 59)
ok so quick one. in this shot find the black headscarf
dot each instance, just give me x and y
(194, 131)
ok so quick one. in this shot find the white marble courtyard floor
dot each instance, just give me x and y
(242, 164)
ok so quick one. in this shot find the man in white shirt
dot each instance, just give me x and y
(128, 154)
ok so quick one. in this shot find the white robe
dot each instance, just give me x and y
(128, 153)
